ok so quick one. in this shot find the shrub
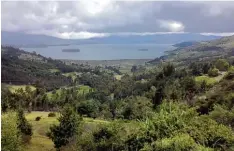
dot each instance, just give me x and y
(38, 118)
(213, 72)
(223, 115)
(10, 135)
(178, 142)
(229, 75)
(222, 64)
(51, 114)
(211, 134)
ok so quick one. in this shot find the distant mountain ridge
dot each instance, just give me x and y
(185, 44)
(202, 51)
(22, 39)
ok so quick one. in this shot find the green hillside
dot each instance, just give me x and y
(183, 101)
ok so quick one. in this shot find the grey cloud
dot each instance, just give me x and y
(96, 17)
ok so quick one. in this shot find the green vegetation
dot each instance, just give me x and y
(13, 88)
(73, 75)
(24, 126)
(10, 138)
(213, 72)
(68, 124)
(210, 81)
(222, 64)
(54, 70)
(177, 104)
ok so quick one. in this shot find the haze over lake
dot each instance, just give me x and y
(104, 51)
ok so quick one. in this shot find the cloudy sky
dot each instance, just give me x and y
(85, 19)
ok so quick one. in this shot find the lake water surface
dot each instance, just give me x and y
(104, 51)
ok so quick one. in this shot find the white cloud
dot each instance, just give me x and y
(217, 34)
(172, 26)
(80, 35)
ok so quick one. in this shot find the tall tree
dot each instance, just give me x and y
(65, 132)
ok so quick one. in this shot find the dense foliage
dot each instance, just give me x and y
(10, 134)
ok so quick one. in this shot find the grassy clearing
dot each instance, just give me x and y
(13, 88)
(73, 75)
(209, 80)
(82, 89)
(118, 77)
(54, 70)
(39, 141)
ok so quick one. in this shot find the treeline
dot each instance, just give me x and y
(110, 98)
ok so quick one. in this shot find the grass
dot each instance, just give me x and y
(118, 77)
(39, 141)
(81, 89)
(13, 88)
(209, 80)
(73, 75)
(54, 70)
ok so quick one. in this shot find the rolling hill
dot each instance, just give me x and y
(206, 50)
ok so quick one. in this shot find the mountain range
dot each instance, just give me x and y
(27, 40)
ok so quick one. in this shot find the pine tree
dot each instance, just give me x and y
(63, 133)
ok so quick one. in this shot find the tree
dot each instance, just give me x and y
(63, 133)
(24, 126)
(190, 87)
(134, 68)
(158, 97)
(213, 72)
(89, 108)
(206, 67)
(222, 65)
(195, 69)
(29, 97)
(168, 69)
(203, 86)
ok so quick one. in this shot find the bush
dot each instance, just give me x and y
(222, 65)
(213, 72)
(223, 115)
(89, 108)
(229, 75)
(11, 138)
(178, 142)
(51, 114)
(38, 118)
(211, 134)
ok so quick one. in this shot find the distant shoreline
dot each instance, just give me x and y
(108, 62)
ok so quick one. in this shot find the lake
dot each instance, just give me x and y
(104, 51)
